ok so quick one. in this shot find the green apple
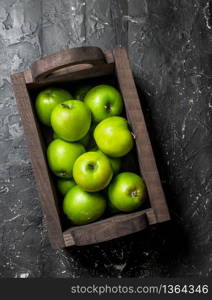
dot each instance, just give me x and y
(126, 192)
(104, 101)
(81, 91)
(115, 162)
(46, 101)
(71, 120)
(84, 141)
(61, 156)
(64, 185)
(113, 137)
(92, 171)
(82, 207)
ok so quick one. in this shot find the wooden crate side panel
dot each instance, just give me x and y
(43, 182)
(136, 119)
(108, 229)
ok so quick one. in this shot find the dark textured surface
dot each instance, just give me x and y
(169, 45)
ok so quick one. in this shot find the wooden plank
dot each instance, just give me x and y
(28, 76)
(109, 56)
(136, 119)
(105, 230)
(99, 70)
(45, 188)
(83, 55)
(96, 71)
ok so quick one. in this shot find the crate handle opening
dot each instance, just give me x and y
(66, 61)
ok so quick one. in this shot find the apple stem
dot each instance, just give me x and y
(133, 134)
(62, 173)
(108, 107)
(66, 106)
(134, 194)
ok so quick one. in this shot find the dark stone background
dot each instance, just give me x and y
(170, 49)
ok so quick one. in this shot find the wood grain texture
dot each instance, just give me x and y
(95, 71)
(109, 56)
(136, 119)
(63, 59)
(74, 73)
(47, 195)
(105, 230)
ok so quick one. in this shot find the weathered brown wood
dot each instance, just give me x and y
(151, 217)
(105, 230)
(69, 57)
(28, 76)
(48, 199)
(109, 56)
(95, 71)
(101, 69)
(136, 119)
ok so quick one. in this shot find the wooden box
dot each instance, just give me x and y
(66, 68)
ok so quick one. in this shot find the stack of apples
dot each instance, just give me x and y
(89, 142)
